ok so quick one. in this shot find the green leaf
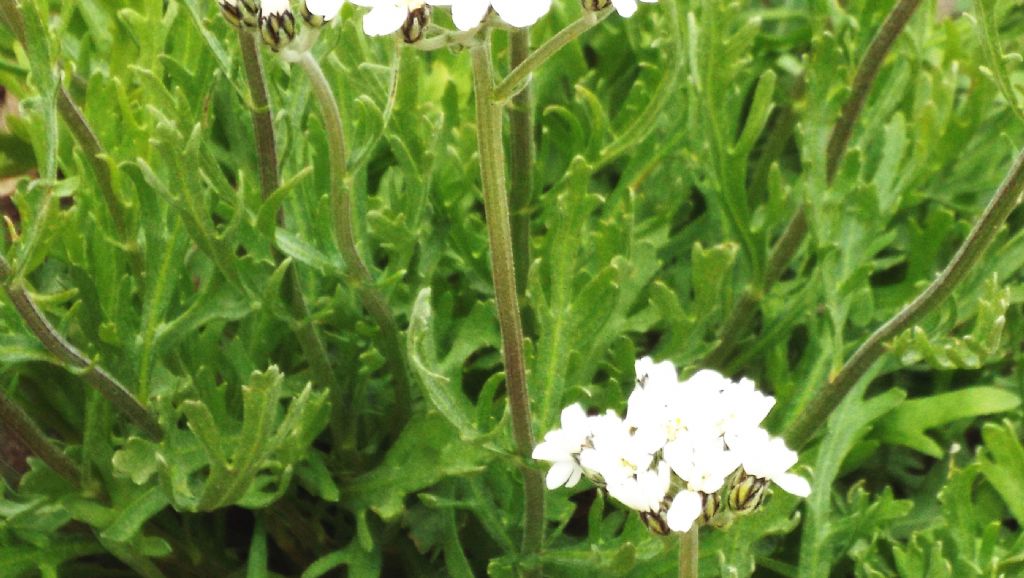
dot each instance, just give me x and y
(446, 399)
(907, 424)
(427, 451)
(129, 521)
(1003, 464)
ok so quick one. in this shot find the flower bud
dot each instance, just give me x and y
(415, 24)
(277, 24)
(747, 493)
(656, 523)
(250, 10)
(231, 12)
(712, 505)
(595, 5)
(316, 13)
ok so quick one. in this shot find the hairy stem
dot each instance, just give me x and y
(499, 232)
(359, 274)
(518, 78)
(262, 117)
(688, 559)
(984, 231)
(18, 422)
(520, 161)
(742, 316)
(93, 374)
(266, 150)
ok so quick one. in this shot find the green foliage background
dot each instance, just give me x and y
(673, 148)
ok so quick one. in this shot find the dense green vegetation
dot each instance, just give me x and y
(245, 399)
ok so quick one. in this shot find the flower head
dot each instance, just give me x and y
(625, 8)
(683, 453)
(318, 12)
(277, 23)
(562, 448)
(389, 16)
(467, 14)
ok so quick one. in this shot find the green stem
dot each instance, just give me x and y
(985, 229)
(93, 374)
(520, 161)
(309, 339)
(519, 76)
(688, 553)
(492, 176)
(262, 117)
(18, 422)
(359, 274)
(741, 318)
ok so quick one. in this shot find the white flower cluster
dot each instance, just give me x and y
(683, 450)
(277, 23)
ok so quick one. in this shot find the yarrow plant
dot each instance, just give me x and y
(684, 451)
(239, 249)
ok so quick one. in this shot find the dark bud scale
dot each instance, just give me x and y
(250, 10)
(278, 29)
(312, 19)
(747, 493)
(415, 24)
(595, 5)
(232, 13)
(655, 521)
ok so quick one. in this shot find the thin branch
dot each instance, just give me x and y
(688, 553)
(16, 421)
(739, 321)
(520, 161)
(312, 345)
(359, 274)
(518, 77)
(810, 418)
(496, 212)
(93, 374)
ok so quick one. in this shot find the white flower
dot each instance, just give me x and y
(627, 8)
(614, 453)
(765, 457)
(701, 460)
(275, 7)
(320, 11)
(644, 492)
(685, 509)
(562, 446)
(745, 406)
(388, 16)
(467, 14)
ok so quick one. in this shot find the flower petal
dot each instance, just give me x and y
(559, 474)
(327, 9)
(384, 19)
(683, 512)
(793, 484)
(467, 15)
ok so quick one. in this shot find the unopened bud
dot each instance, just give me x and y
(416, 24)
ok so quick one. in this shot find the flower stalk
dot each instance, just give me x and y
(266, 150)
(520, 161)
(359, 274)
(688, 553)
(1006, 199)
(518, 78)
(77, 362)
(18, 422)
(742, 316)
(496, 209)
